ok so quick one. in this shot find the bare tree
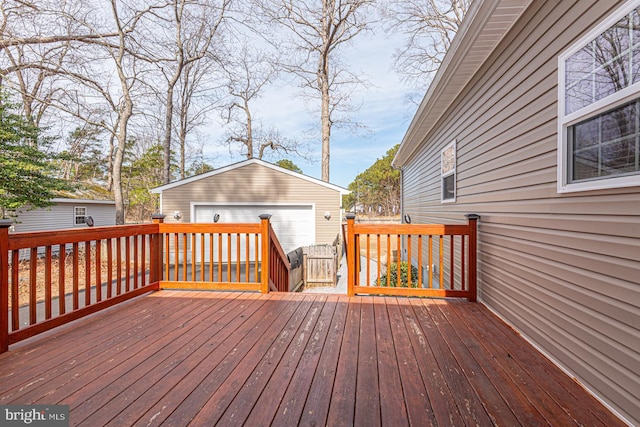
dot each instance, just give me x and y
(106, 80)
(246, 76)
(429, 27)
(43, 22)
(92, 62)
(30, 68)
(194, 24)
(193, 105)
(315, 32)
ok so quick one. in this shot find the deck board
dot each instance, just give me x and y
(393, 410)
(206, 358)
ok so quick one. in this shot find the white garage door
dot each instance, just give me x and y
(294, 225)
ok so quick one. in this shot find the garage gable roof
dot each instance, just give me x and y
(484, 26)
(159, 190)
(83, 201)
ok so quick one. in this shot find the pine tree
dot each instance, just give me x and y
(27, 172)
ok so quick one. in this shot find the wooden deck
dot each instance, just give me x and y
(204, 358)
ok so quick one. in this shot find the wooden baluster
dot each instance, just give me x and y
(229, 257)
(398, 262)
(193, 256)
(256, 256)
(202, 259)
(15, 290)
(98, 262)
(62, 285)
(76, 272)
(378, 251)
(176, 256)
(247, 239)
(167, 243)
(119, 265)
(430, 261)
(211, 257)
(452, 266)
(219, 257)
(419, 260)
(87, 274)
(33, 284)
(127, 263)
(47, 283)
(135, 262)
(368, 259)
(109, 268)
(143, 259)
(463, 272)
(238, 246)
(409, 265)
(441, 260)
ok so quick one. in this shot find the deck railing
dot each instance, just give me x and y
(50, 278)
(412, 260)
(211, 256)
(53, 277)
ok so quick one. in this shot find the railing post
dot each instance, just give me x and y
(473, 255)
(264, 273)
(4, 284)
(155, 271)
(351, 254)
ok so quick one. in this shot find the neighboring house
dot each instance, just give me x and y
(304, 210)
(533, 122)
(67, 213)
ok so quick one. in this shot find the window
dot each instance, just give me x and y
(448, 173)
(599, 106)
(79, 215)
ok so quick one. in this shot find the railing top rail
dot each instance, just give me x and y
(411, 229)
(55, 237)
(233, 228)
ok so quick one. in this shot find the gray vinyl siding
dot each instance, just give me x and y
(257, 184)
(563, 269)
(61, 216)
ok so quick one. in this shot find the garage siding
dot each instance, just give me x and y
(254, 183)
(564, 269)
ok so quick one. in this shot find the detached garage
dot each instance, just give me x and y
(304, 210)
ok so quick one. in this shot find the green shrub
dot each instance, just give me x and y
(391, 278)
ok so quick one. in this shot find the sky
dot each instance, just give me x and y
(384, 110)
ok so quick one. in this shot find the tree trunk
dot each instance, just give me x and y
(326, 130)
(182, 159)
(117, 183)
(183, 138)
(324, 86)
(249, 132)
(110, 156)
(166, 144)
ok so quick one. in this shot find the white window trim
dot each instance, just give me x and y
(451, 172)
(566, 120)
(86, 214)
